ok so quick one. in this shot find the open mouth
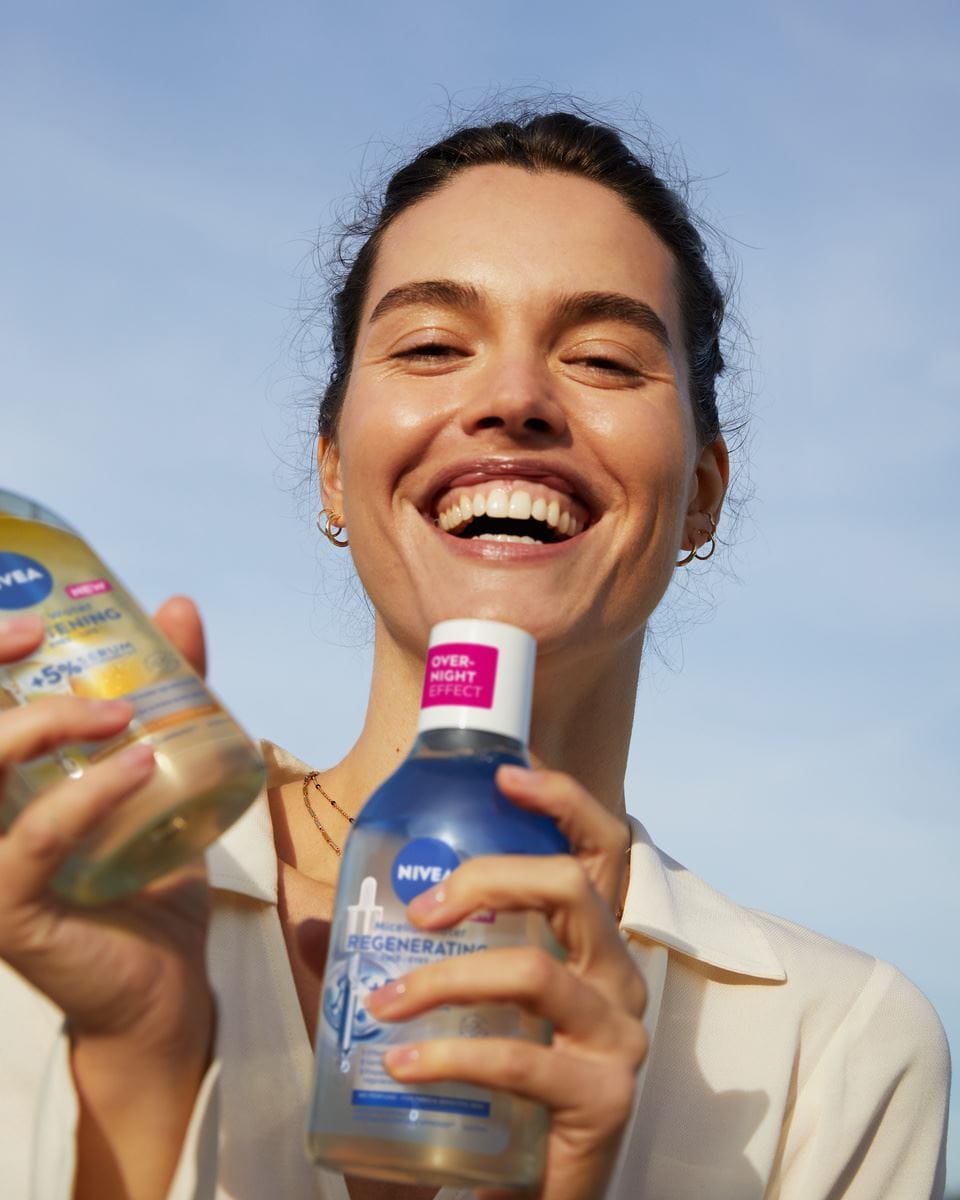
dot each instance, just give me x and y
(510, 510)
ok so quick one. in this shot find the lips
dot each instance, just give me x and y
(510, 501)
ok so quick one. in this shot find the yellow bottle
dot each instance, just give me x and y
(101, 644)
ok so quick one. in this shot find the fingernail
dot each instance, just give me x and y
(428, 903)
(386, 997)
(400, 1058)
(513, 774)
(109, 708)
(137, 757)
(518, 776)
(15, 626)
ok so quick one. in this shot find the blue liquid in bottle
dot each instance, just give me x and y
(440, 808)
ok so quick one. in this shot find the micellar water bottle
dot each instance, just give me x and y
(100, 644)
(438, 809)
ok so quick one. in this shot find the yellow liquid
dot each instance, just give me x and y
(101, 644)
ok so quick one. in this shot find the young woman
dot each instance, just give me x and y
(528, 340)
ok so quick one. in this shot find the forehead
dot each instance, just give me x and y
(524, 237)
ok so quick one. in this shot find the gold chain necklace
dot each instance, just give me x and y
(312, 777)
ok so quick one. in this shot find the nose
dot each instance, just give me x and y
(519, 399)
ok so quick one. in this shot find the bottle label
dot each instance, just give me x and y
(98, 644)
(460, 674)
(372, 943)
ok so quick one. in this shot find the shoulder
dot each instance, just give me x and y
(773, 979)
(844, 997)
(865, 1112)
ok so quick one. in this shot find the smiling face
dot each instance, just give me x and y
(516, 440)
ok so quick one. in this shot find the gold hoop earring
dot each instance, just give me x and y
(330, 525)
(694, 553)
(713, 541)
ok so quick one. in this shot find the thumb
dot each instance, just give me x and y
(179, 620)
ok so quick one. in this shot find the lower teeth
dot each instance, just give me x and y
(505, 537)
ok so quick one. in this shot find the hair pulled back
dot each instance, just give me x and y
(555, 141)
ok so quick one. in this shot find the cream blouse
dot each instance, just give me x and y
(782, 1065)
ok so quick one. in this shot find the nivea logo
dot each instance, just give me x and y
(23, 581)
(420, 864)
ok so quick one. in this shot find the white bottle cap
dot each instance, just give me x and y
(479, 675)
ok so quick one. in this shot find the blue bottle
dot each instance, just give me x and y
(438, 809)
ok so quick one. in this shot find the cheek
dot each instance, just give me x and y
(655, 448)
(367, 443)
(385, 428)
(375, 454)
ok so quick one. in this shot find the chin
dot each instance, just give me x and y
(553, 625)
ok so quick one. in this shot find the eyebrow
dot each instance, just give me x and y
(428, 291)
(614, 306)
(573, 310)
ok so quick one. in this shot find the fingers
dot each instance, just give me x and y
(179, 621)
(564, 1082)
(522, 975)
(557, 886)
(19, 636)
(34, 729)
(45, 832)
(600, 839)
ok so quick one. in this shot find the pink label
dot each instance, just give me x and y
(461, 674)
(93, 587)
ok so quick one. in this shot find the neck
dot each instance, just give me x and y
(582, 719)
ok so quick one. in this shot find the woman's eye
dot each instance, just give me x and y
(599, 362)
(429, 350)
(605, 364)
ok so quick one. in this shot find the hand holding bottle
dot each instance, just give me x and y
(129, 977)
(594, 1000)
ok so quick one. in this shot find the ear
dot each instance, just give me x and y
(710, 479)
(708, 486)
(331, 481)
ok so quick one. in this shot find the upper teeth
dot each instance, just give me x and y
(515, 503)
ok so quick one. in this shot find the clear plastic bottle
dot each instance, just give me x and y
(438, 809)
(101, 644)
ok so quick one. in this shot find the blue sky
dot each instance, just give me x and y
(166, 171)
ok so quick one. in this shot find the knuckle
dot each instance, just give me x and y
(564, 793)
(23, 938)
(535, 971)
(614, 1093)
(619, 1089)
(515, 1067)
(464, 880)
(38, 836)
(436, 1057)
(636, 1043)
(636, 994)
(573, 878)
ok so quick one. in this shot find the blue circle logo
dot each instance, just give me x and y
(421, 864)
(23, 581)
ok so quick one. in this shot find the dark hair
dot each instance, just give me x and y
(555, 141)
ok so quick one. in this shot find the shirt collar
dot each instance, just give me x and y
(670, 905)
(665, 902)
